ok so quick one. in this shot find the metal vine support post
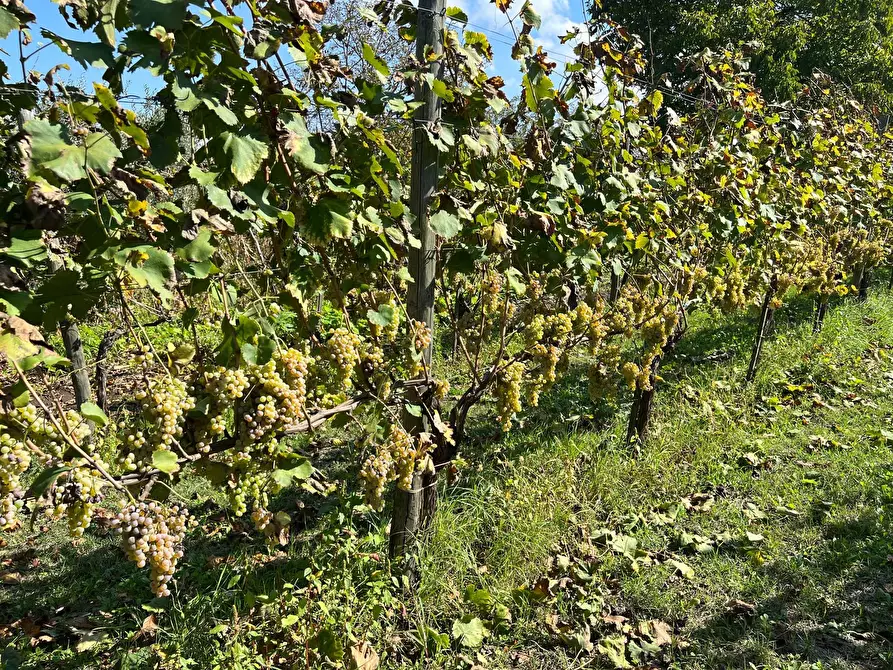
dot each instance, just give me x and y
(765, 318)
(408, 512)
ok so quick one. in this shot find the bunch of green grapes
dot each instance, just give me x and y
(274, 405)
(42, 432)
(164, 406)
(374, 370)
(374, 476)
(589, 322)
(508, 393)
(372, 359)
(625, 312)
(543, 376)
(656, 332)
(77, 497)
(734, 297)
(262, 518)
(144, 357)
(295, 367)
(420, 334)
(491, 287)
(153, 534)
(631, 374)
(14, 460)
(395, 459)
(691, 280)
(223, 388)
(250, 482)
(343, 349)
(602, 373)
(269, 524)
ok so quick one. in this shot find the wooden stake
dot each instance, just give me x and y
(408, 514)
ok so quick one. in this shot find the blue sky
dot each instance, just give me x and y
(558, 17)
(49, 17)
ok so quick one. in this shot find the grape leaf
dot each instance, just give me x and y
(8, 23)
(165, 460)
(330, 217)
(166, 13)
(247, 154)
(94, 413)
(380, 67)
(383, 317)
(44, 480)
(51, 152)
(307, 149)
(469, 631)
(87, 54)
(445, 224)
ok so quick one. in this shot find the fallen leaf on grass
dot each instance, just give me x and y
(698, 502)
(740, 607)
(147, 629)
(11, 578)
(683, 569)
(660, 632)
(615, 619)
(363, 657)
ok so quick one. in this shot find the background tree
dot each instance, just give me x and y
(851, 40)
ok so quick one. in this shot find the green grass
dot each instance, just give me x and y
(789, 480)
(816, 579)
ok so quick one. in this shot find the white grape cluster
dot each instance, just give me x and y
(395, 459)
(164, 407)
(343, 349)
(274, 404)
(15, 456)
(420, 334)
(508, 393)
(491, 287)
(249, 486)
(144, 357)
(262, 518)
(14, 460)
(152, 534)
(544, 373)
(77, 497)
(223, 388)
(43, 432)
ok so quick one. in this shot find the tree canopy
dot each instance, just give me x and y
(788, 40)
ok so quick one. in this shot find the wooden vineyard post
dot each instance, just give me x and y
(408, 512)
(864, 284)
(614, 292)
(74, 351)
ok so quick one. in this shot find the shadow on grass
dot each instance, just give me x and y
(833, 604)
